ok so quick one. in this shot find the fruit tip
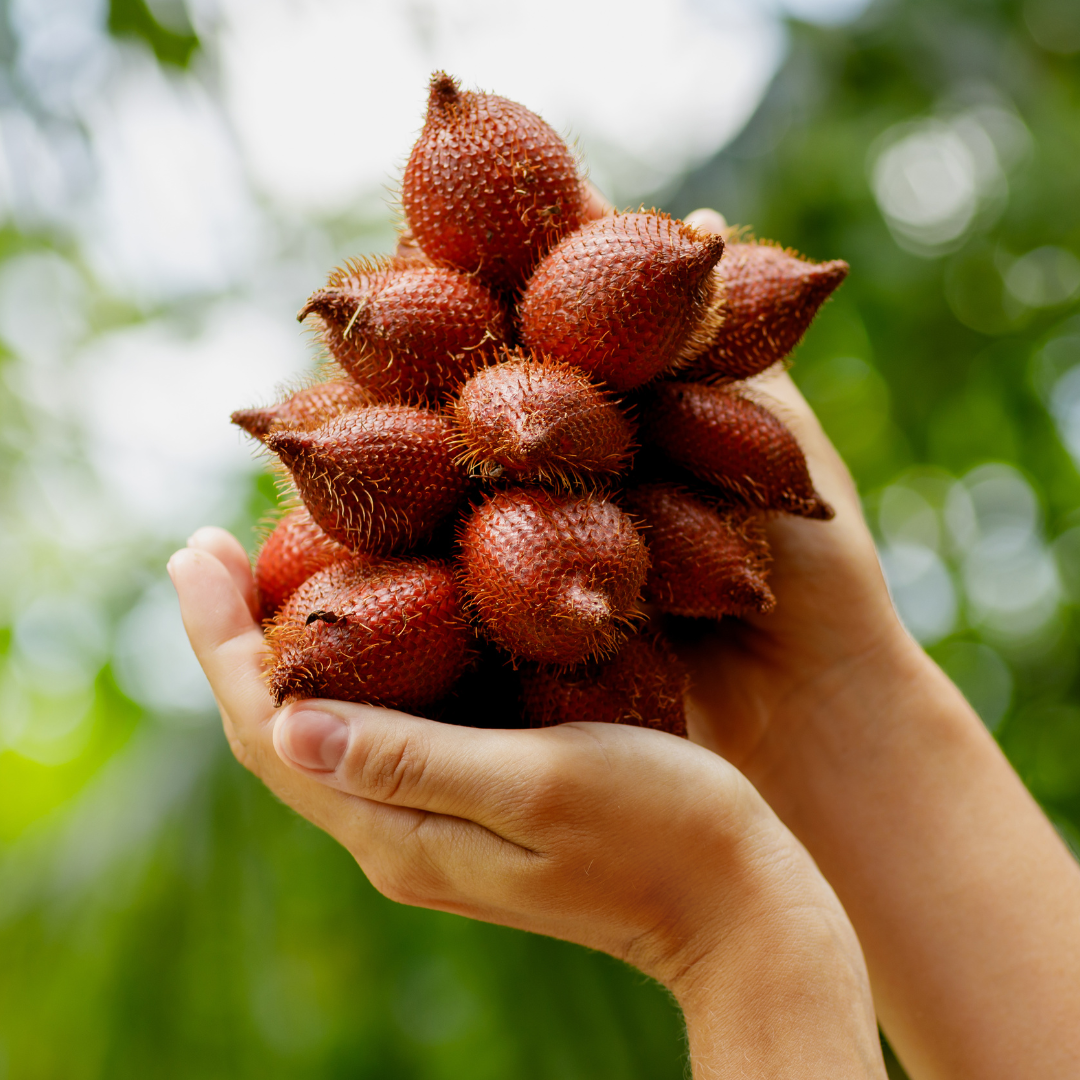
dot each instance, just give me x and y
(830, 274)
(254, 421)
(712, 243)
(288, 442)
(323, 302)
(444, 91)
(586, 605)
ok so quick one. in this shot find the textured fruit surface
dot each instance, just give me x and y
(770, 298)
(401, 327)
(625, 297)
(704, 563)
(307, 408)
(386, 632)
(489, 186)
(375, 479)
(296, 549)
(552, 578)
(514, 352)
(540, 420)
(728, 440)
(643, 684)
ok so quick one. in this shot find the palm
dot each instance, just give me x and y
(758, 683)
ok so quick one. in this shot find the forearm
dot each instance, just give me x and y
(965, 901)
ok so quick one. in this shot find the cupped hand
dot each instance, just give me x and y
(623, 839)
(767, 685)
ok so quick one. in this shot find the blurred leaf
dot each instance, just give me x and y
(133, 18)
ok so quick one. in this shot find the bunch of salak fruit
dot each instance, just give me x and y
(532, 443)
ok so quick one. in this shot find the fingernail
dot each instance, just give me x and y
(315, 740)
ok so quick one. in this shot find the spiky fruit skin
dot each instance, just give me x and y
(540, 420)
(625, 297)
(307, 408)
(404, 328)
(644, 685)
(704, 563)
(489, 187)
(734, 443)
(515, 349)
(376, 479)
(552, 578)
(770, 298)
(296, 549)
(387, 632)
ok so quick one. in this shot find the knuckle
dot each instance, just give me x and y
(391, 766)
(555, 787)
(409, 877)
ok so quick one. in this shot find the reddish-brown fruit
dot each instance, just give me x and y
(770, 298)
(538, 419)
(386, 632)
(375, 479)
(552, 579)
(306, 408)
(625, 297)
(643, 685)
(489, 187)
(402, 327)
(704, 563)
(728, 440)
(296, 549)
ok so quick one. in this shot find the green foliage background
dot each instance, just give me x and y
(220, 935)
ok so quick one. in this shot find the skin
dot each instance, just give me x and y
(662, 853)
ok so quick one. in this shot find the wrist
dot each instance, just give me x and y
(782, 991)
(887, 705)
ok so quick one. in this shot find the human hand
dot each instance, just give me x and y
(622, 839)
(766, 685)
(963, 897)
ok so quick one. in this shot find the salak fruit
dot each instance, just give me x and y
(296, 549)
(407, 330)
(489, 187)
(304, 409)
(386, 631)
(375, 479)
(550, 577)
(467, 522)
(626, 298)
(643, 684)
(771, 298)
(540, 420)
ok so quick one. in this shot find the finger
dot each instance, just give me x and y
(778, 392)
(494, 807)
(223, 633)
(483, 775)
(596, 206)
(706, 220)
(230, 553)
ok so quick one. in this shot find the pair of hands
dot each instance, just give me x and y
(648, 847)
